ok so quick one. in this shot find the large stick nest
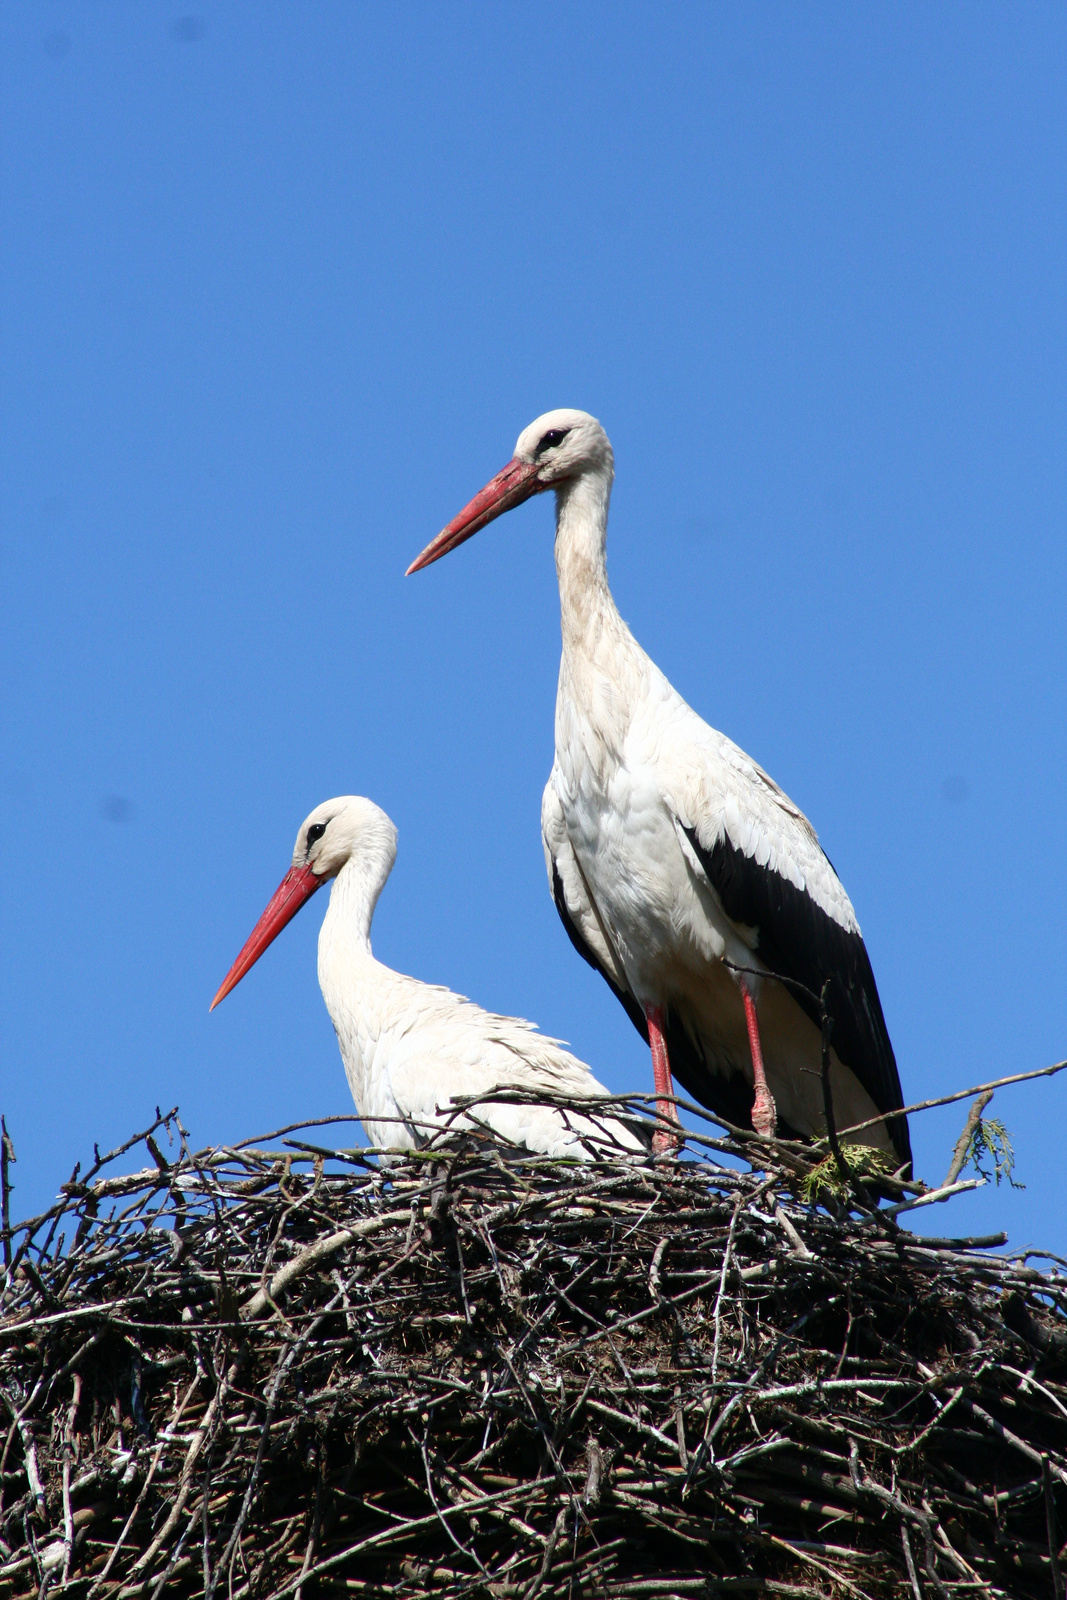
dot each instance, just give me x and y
(284, 1370)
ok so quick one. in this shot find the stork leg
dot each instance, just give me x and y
(764, 1113)
(663, 1142)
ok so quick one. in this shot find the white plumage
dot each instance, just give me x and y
(680, 869)
(409, 1047)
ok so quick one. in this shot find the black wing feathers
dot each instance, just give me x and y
(798, 940)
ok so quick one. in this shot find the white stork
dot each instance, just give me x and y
(679, 868)
(407, 1046)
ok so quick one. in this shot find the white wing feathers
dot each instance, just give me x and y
(437, 1045)
(715, 789)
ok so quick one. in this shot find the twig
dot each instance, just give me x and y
(537, 1581)
(933, 1197)
(68, 1444)
(913, 1576)
(7, 1155)
(144, 1560)
(264, 1298)
(1050, 1524)
(313, 1535)
(160, 1447)
(963, 1143)
(961, 1094)
(29, 1448)
(717, 1313)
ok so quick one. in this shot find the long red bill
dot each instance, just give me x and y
(509, 488)
(295, 889)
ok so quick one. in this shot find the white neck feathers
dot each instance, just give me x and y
(581, 550)
(353, 898)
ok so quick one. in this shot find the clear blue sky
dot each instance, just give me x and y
(280, 286)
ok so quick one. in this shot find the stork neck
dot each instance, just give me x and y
(581, 553)
(353, 897)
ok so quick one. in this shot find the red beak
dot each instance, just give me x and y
(297, 887)
(516, 483)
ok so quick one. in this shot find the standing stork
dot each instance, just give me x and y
(408, 1047)
(679, 868)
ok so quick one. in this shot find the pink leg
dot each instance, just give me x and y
(662, 1141)
(764, 1115)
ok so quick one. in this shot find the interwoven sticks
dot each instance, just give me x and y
(280, 1370)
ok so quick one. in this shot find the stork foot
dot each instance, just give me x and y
(764, 1112)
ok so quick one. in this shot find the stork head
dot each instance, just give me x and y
(340, 829)
(558, 447)
(337, 832)
(563, 444)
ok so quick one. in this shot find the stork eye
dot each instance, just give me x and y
(315, 833)
(553, 437)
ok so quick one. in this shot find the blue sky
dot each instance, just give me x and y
(280, 286)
